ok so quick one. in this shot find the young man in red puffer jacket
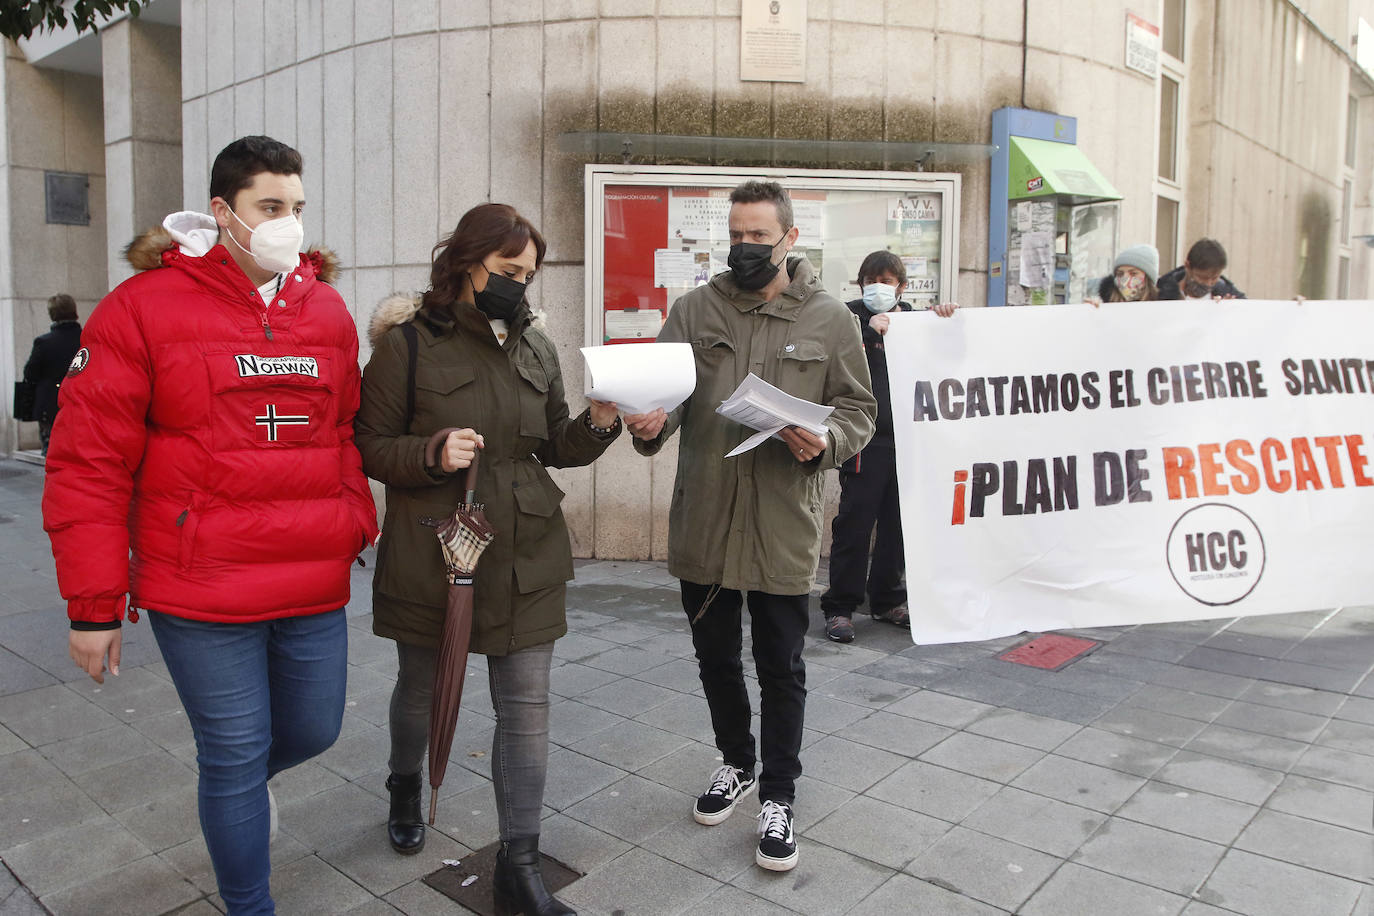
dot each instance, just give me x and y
(203, 464)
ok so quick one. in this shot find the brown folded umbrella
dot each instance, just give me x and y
(463, 536)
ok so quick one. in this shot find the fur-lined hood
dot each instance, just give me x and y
(398, 308)
(195, 234)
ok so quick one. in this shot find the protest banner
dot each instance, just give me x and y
(1136, 463)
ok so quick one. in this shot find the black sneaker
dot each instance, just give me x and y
(777, 844)
(728, 785)
(839, 629)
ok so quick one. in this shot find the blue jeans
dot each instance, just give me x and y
(261, 698)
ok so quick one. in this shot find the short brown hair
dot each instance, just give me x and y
(753, 192)
(239, 162)
(1206, 254)
(61, 307)
(882, 261)
(484, 229)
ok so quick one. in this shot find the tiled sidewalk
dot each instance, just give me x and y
(1203, 768)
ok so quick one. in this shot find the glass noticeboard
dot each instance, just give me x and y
(656, 232)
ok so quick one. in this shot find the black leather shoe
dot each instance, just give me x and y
(518, 884)
(404, 826)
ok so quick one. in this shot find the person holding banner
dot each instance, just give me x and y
(748, 529)
(1201, 276)
(868, 481)
(1133, 277)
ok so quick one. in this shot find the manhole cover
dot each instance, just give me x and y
(1049, 651)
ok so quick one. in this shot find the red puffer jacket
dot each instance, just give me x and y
(212, 437)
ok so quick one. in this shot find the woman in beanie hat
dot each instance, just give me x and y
(1133, 279)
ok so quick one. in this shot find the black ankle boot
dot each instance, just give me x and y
(405, 827)
(518, 885)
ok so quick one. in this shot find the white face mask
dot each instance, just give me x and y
(275, 244)
(879, 297)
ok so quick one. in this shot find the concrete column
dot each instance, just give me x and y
(141, 64)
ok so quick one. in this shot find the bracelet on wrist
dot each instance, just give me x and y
(602, 430)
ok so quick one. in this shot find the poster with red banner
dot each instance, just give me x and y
(656, 232)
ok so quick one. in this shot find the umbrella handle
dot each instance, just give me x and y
(432, 459)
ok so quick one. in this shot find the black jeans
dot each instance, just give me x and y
(867, 498)
(777, 625)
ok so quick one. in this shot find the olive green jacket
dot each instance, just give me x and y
(753, 522)
(513, 396)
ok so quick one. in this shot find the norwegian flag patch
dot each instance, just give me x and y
(282, 422)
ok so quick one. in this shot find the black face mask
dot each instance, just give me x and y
(501, 297)
(752, 264)
(1195, 290)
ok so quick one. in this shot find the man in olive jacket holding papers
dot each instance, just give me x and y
(750, 526)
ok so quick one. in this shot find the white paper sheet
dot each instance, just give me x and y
(675, 269)
(769, 409)
(641, 377)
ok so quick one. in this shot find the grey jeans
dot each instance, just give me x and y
(520, 746)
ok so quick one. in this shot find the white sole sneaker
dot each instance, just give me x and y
(773, 864)
(711, 819)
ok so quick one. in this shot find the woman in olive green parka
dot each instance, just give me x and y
(482, 366)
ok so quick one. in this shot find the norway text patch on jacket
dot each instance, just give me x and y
(203, 460)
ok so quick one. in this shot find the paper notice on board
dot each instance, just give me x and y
(633, 324)
(641, 377)
(772, 41)
(1037, 259)
(674, 268)
(915, 267)
(1023, 216)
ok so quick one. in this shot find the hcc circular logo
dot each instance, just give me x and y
(1216, 553)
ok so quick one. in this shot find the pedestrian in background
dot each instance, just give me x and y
(749, 528)
(51, 356)
(1133, 277)
(207, 426)
(475, 361)
(868, 481)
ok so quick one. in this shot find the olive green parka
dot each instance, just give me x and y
(512, 394)
(753, 522)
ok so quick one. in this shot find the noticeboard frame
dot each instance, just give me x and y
(598, 179)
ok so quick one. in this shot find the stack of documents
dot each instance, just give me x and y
(767, 408)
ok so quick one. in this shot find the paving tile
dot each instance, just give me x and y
(145, 886)
(1309, 843)
(1116, 752)
(74, 855)
(1252, 643)
(368, 859)
(576, 845)
(913, 672)
(1260, 886)
(37, 799)
(1349, 651)
(1147, 645)
(983, 867)
(625, 660)
(847, 657)
(721, 852)
(1247, 747)
(170, 731)
(905, 894)
(1329, 802)
(573, 777)
(1354, 709)
(1074, 889)
(1196, 814)
(577, 647)
(639, 882)
(684, 715)
(191, 859)
(1159, 727)
(1024, 728)
(630, 745)
(84, 753)
(1079, 783)
(360, 753)
(1218, 776)
(1270, 669)
(1337, 766)
(344, 811)
(679, 674)
(1194, 631)
(816, 799)
(51, 714)
(1343, 735)
(848, 765)
(940, 708)
(1046, 824)
(10, 742)
(985, 688)
(572, 679)
(165, 821)
(939, 792)
(1201, 706)
(830, 715)
(878, 832)
(1199, 681)
(571, 721)
(311, 885)
(618, 697)
(977, 755)
(1061, 704)
(1160, 858)
(732, 900)
(634, 809)
(898, 734)
(1131, 669)
(825, 882)
(862, 690)
(687, 769)
(1299, 699)
(133, 782)
(1270, 720)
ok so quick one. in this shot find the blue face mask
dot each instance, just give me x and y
(879, 297)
